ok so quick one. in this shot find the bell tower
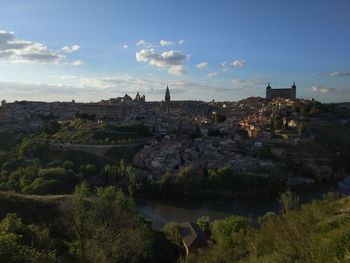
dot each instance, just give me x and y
(268, 91)
(294, 91)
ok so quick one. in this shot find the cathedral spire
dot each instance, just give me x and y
(167, 94)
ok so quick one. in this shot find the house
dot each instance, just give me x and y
(258, 145)
(192, 236)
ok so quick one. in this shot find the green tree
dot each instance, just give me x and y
(288, 201)
(87, 170)
(204, 224)
(80, 216)
(223, 231)
(68, 165)
(134, 180)
(41, 186)
(117, 233)
(110, 172)
(20, 243)
(122, 168)
(33, 147)
(171, 231)
(189, 181)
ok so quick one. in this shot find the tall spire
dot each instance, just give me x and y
(167, 94)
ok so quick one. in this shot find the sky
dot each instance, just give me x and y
(203, 50)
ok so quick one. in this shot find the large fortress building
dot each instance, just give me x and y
(281, 93)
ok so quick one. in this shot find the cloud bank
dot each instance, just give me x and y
(15, 50)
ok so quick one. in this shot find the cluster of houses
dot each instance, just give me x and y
(173, 152)
(28, 116)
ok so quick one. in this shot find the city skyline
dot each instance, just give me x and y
(227, 50)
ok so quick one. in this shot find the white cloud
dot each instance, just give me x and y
(144, 44)
(125, 46)
(180, 42)
(65, 77)
(126, 83)
(202, 65)
(167, 58)
(250, 82)
(15, 50)
(238, 63)
(166, 43)
(177, 70)
(77, 62)
(212, 74)
(322, 90)
(70, 49)
(339, 74)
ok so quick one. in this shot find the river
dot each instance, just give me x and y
(161, 212)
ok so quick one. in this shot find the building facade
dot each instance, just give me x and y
(281, 93)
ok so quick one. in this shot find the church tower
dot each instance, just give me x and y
(268, 91)
(294, 91)
(167, 94)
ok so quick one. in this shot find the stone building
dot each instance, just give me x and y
(281, 93)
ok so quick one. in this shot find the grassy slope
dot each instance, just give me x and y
(317, 232)
(32, 208)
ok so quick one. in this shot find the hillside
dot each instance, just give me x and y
(314, 232)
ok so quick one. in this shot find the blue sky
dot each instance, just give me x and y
(222, 50)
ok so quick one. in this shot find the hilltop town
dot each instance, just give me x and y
(248, 136)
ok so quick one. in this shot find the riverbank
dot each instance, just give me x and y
(160, 211)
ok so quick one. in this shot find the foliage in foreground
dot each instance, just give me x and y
(101, 227)
(314, 232)
(25, 243)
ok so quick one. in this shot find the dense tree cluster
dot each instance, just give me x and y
(21, 243)
(89, 227)
(194, 184)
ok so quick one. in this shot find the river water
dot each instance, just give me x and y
(161, 212)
